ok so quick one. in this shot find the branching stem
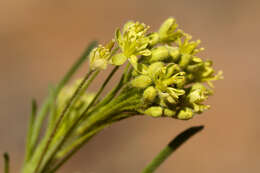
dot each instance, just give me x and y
(65, 110)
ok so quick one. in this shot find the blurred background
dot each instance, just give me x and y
(39, 40)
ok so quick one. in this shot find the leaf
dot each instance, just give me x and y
(171, 147)
(6, 162)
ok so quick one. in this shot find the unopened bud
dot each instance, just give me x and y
(154, 111)
(174, 53)
(159, 54)
(150, 94)
(185, 114)
(169, 112)
(141, 81)
(153, 38)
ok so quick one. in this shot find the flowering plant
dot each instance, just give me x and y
(163, 77)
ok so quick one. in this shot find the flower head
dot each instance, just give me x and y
(166, 72)
(172, 77)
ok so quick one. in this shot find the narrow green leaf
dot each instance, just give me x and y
(30, 129)
(6, 162)
(171, 147)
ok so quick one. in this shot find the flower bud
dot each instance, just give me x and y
(168, 32)
(153, 38)
(155, 68)
(185, 60)
(118, 59)
(159, 54)
(199, 108)
(169, 112)
(195, 96)
(141, 81)
(198, 93)
(185, 114)
(150, 94)
(154, 111)
(174, 53)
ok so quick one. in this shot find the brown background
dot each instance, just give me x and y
(39, 40)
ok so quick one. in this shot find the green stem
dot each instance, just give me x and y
(102, 88)
(51, 156)
(51, 125)
(78, 144)
(171, 147)
(6, 163)
(75, 148)
(115, 118)
(49, 101)
(108, 97)
(104, 113)
(92, 124)
(79, 141)
(60, 118)
(127, 73)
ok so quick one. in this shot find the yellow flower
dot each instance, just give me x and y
(99, 58)
(133, 42)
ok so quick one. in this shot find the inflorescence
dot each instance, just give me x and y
(166, 70)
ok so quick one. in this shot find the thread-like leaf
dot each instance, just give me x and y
(6, 162)
(171, 147)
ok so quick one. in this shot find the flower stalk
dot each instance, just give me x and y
(64, 112)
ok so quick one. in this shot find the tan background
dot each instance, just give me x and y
(39, 40)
